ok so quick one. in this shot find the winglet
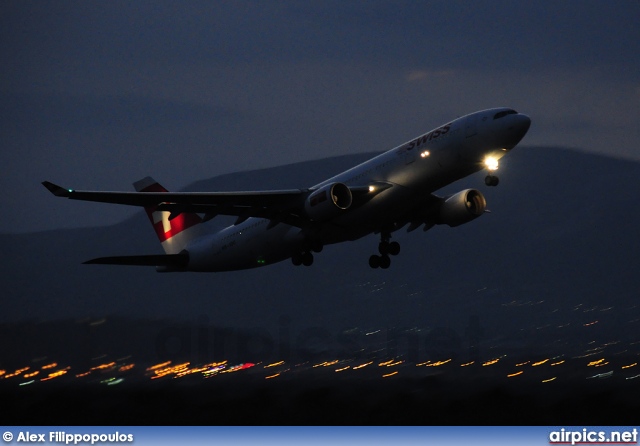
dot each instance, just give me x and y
(57, 190)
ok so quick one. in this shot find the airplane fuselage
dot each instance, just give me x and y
(408, 175)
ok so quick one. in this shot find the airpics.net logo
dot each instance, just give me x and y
(586, 436)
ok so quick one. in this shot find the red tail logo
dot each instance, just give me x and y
(165, 228)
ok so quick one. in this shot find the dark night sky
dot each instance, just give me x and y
(96, 95)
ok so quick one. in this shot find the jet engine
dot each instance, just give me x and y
(328, 201)
(461, 208)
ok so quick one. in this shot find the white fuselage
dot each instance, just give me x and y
(414, 170)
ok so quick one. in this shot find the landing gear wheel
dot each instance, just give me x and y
(394, 248)
(296, 259)
(491, 180)
(386, 249)
(307, 259)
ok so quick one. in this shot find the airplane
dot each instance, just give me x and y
(380, 196)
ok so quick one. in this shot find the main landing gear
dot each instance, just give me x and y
(306, 257)
(386, 249)
(303, 258)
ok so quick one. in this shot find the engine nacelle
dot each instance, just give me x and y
(461, 208)
(328, 201)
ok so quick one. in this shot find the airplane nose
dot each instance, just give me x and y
(524, 122)
(516, 131)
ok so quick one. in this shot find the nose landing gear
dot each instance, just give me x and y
(491, 180)
(491, 164)
(386, 249)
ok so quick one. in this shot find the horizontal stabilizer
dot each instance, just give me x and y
(167, 260)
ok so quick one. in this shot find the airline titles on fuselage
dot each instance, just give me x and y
(433, 134)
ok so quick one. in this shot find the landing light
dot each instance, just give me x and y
(372, 189)
(491, 163)
(425, 154)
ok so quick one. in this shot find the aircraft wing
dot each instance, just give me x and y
(278, 205)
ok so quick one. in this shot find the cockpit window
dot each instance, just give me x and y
(504, 113)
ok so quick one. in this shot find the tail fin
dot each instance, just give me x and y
(174, 233)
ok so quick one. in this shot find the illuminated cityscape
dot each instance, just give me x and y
(545, 368)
